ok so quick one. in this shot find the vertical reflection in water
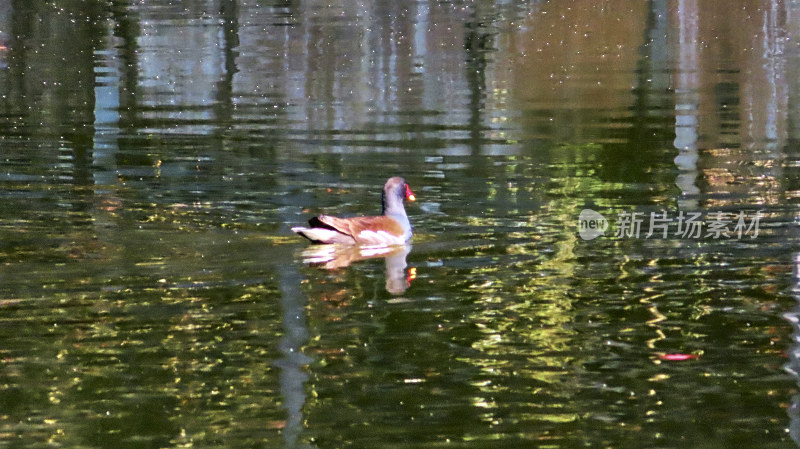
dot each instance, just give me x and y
(293, 302)
(775, 103)
(657, 55)
(5, 25)
(793, 367)
(224, 106)
(293, 376)
(793, 73)
(126, 34)
(686, 102)
(421, 34)
(476, 40)
(106, 113)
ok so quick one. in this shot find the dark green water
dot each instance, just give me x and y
(153, 156)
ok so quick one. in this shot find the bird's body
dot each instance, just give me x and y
(390, 228)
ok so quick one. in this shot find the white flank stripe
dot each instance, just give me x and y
(379, 238)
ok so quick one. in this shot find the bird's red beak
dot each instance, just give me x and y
(409, 194)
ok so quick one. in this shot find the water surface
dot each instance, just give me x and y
(154, 155)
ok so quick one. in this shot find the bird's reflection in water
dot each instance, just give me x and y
(332, 257)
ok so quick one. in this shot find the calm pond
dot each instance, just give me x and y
(606, 228)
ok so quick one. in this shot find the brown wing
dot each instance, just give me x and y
(355, 227)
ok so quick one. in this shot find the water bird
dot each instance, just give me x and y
(390, 228)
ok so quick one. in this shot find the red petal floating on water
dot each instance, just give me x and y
(677, 357)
